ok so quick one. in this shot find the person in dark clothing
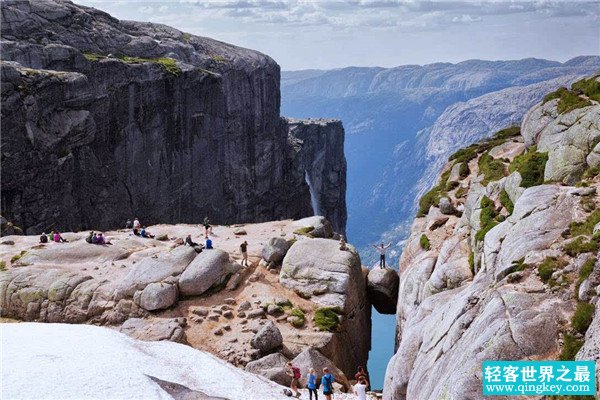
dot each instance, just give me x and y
(136, 232)
(382, 249)
(128, 224)
(146, 234)
(363, 373)
(244, 251)
(90, 237)
(44, 238)
(209, 244)
(327, 383)
(189, 242)
(207, 228)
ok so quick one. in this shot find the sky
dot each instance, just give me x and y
(311, 34)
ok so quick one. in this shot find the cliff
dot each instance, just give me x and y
(104, 120)
(501, 262)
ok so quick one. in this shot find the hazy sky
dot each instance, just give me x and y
(302, 34)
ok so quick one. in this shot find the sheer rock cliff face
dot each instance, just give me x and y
(104, 120)
(510, 254)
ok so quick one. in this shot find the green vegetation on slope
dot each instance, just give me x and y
(585, 272)
(506, 201)
(547, 268)
(424, 242)
(326, 319)
(298, 313)
(492, 169)
(586, 227)
(580, 245)
(488, 218)
(570, 347)
(584, 313)
(530, 165)
(590, 87)
(569, 100)
(432, 198)
(169, 65)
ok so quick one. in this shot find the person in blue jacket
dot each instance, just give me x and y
(327, 383)
(311, 377)
(208, 243)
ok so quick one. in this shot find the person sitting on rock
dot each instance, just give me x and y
(44, 238)
(146, 234)
(90, 237)
(244, 251)
(382, 249)
(94, 238)
(208, 244)
(327, 383)
(343, 246)
(129, 224)
(58, 238)
(136, 232)
(136, 223)
(189, 242)
(294, 373)
(100, 239)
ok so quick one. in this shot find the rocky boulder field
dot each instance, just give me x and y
(502, 261)
(301, 298)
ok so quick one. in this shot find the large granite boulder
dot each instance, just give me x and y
(275, 249)
(318, 270)
(272, 367)
(382, 289)
(267, 338)
(316, 226)
(209, 269)
(591, 345)
(156, 296)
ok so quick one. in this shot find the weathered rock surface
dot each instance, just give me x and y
(317, 269)
(267, 338)
(382, 289)
(69, 89)
(471, 297)
(275, 249)
(316, 226)
(156, 296)
(209, 269)
(591, 346)
(272, 367)
(171, 329)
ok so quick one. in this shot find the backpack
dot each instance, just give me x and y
(296, 371)
(329, 383)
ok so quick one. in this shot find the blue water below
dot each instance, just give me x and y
(382, 346)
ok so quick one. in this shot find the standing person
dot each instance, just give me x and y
(129, 224)
(327, 383)
(382, 249)
(363, 373)
(360, 389)
(294, 373)
(206, 224)
(311, 377)
(244, 250)
(136, 223)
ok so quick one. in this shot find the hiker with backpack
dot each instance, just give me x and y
(311, 377)
(294, 373)
(327, 383)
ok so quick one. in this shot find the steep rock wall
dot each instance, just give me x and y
(104, 120)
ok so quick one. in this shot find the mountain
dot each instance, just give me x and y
(394, 117)
(501, 262)
(104, 120)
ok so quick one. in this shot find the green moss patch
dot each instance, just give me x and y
(298, 313)
(424, 242)
(169, 65)
(570, 347)
(3, 265)
(17, 257)
(584, 313)
(585, 272)
(488, 218)
(432, 198)
(590, 87)
(463, 170)
(531, 166)
(569, 100)
(469, 153)
(326, 319)
(492, 169)
(547, 268)
(506, 201)
(305, 231)
(579, 246)
(586, 227)
(472, 262)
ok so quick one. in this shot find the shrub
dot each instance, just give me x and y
(326, 319)
(463, 170)
(465, 154)
(491, 169)
(531, 166)
(506, 201)
(93, 56)
(591, 87)
(584, 313)
(218, 58)
(17, 257)
(568, 100)
(461, 192)
(296, 312)
(580, 246)
(487, 218)
(548, 266)
(570, 347)
(591, 172)
(3, 265)
(508, 133)
(451, 186)
(586, 227)
(424, 242)
(432, 198)
(519, 265)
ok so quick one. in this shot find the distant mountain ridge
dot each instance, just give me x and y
(391, 114)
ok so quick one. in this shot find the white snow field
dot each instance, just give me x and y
(62, 361)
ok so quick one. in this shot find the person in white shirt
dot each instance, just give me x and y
(136, 224)
(381, 249)
(360, 389)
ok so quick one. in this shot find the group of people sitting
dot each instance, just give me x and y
(138, 229)
(52, 237)
(96, 238)
(326, 383)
